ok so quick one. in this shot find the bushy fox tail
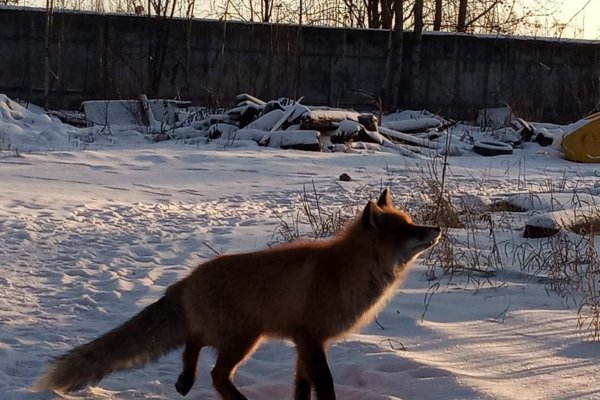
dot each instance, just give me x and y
(154, 331)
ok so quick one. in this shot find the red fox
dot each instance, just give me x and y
(307, 292)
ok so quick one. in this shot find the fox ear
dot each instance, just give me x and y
(369, 216)
(385, 200)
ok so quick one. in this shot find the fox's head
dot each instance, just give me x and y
(394, 232)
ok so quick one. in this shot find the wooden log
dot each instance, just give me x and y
(245, 97)
(369, 121)
(221, 130)
(402, 150)
(153, 125)
(244, 134)
(292, 115)
(326, 119)
(273, 105)
(371, 137)
(346, 131)
(267, 121)
(243, 115)
(412, 125)
(297, 140)
(405, 138)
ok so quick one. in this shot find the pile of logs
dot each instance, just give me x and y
(288, 124)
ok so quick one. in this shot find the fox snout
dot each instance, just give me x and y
(423, 237)
(432, 234)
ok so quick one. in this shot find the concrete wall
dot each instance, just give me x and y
(209, 62)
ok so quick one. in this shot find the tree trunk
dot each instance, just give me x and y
(387, 13)
(418, 16)
(437, 20)
(373, 16)
(399, 51)
(267, 8)
(461, 26)
(160, 32)
(393, 65)
(48, 55)
(416, 50)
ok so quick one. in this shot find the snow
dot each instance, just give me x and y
(293, 113)
(410, 115)
(92, 232)
(21, 127)
(289, 138)
(553, 201)
(254, 135)
(117, 112)
(347, 129)
(495, 117)
(267, 121)
(565, 218)
(327, 114)
(407, 138)
(408, 125)
(493, 145)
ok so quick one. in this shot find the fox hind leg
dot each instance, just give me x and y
(190, 367)
(230, 354)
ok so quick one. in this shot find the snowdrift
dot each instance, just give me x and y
(22, 128)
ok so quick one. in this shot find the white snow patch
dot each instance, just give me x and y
(408, 125)
(88, 238)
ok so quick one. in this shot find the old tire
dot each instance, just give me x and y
(491, 148)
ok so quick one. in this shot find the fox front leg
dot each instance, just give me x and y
(311, 353)
(302, 384)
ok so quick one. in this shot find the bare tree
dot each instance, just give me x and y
(267, 10)
(461, 24)
(395, 51)
(387, 13)
(415, 61)
(469, 16)
(437, 19)
(159, 36)
(49, 75)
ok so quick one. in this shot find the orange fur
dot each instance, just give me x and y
(308, 292)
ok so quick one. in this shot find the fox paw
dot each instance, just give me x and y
(184, 384)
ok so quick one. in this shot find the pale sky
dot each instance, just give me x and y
(583, 25)
(587, 23)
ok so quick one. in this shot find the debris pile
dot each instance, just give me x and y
(288, 124)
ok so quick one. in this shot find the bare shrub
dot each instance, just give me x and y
(588, 313)
(471, 246)
(311, 220)
(569, 265)
(586, 225)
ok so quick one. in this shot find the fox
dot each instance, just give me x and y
(308, 292)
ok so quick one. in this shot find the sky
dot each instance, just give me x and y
(586, 23)
(583, 17)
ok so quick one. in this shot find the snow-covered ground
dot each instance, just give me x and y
(89, 237)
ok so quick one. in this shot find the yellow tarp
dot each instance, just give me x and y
(583, 142)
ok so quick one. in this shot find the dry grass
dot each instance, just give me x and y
(587, 225)
(476, 241)
(311, 220)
